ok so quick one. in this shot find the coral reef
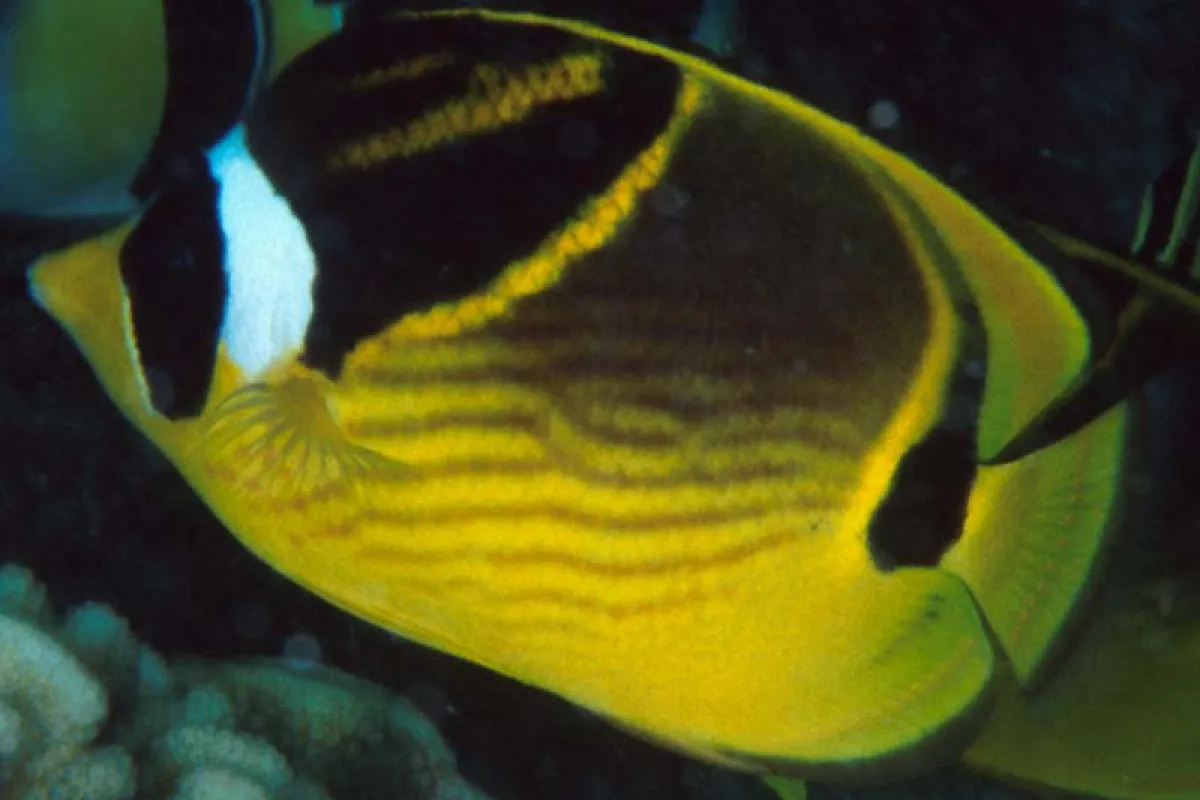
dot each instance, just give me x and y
(89, 713)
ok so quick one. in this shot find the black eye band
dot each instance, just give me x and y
(172, 266)
(215, 56)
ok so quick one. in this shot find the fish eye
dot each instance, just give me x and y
(172, 267)
(182, 260)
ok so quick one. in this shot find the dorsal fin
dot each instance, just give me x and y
(1169, 224)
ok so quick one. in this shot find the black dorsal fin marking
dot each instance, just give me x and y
(409, 199)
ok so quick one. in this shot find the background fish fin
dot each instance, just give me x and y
(1119, 719)
(298, 25)
(1152, 338)
(1168, 230)
(786, 788)
(1142, 309)
(1157, 327)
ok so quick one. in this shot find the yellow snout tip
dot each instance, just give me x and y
(79, 282)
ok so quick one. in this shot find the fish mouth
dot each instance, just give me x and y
(47, 290)
(36, 284)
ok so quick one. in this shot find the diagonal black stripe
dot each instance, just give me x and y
(410, 232)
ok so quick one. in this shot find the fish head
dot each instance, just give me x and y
(80, 287)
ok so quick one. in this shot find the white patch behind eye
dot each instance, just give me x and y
(269, 263)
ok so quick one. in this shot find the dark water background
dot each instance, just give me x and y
(1061, 109)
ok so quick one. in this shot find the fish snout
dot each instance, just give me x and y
(81, 284)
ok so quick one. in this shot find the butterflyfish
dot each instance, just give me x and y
(98, 101)
(657, 389)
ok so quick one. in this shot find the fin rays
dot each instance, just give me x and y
(279, 443)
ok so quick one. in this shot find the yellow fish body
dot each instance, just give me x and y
(583, 360)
